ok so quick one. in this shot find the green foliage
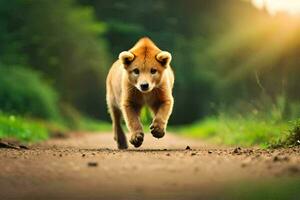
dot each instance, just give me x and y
(237, 130)
(34, 130)
(256, 61)
(10, 33)
(290, 138)
(294, 134)
(19, 128)
(24, 92)
(63, 41)
(265, 123)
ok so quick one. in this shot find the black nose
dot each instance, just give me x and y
(144, 86)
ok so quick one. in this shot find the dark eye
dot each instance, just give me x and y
(153, 71)
(136, 71)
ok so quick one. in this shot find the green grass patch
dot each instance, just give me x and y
(237, 130)
(22, 129)
(290, 138)
(34, 130)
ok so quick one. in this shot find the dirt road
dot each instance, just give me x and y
(88, 166)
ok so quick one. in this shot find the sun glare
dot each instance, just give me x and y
(291, 7)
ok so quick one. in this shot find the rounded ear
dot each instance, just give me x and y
(126, 57)
(164, 58)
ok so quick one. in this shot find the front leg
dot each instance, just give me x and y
(131, 114)
(162, 113)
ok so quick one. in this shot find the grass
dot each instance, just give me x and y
(22, 129)
(291, 138)
(240, 131)
(34, 130)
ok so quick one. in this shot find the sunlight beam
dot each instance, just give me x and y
(291, 7)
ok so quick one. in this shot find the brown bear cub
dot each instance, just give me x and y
(141, 76)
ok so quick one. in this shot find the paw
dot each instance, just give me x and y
(157, 129)
(137, 139)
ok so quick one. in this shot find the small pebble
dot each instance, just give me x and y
(167, 154)
(193, 154)
(188, 148)
(237, 150)
(92, 164)
(209, 152)
(243, 165)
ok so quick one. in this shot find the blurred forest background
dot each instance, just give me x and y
(237, 67)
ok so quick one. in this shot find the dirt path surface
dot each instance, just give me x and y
(88, 166)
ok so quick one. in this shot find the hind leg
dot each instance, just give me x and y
(119, 134)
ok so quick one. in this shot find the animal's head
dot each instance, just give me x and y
(145, 64)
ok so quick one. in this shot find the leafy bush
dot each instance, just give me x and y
(61, 39)
(22, 91)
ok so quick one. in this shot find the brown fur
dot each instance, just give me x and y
(125, 96)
